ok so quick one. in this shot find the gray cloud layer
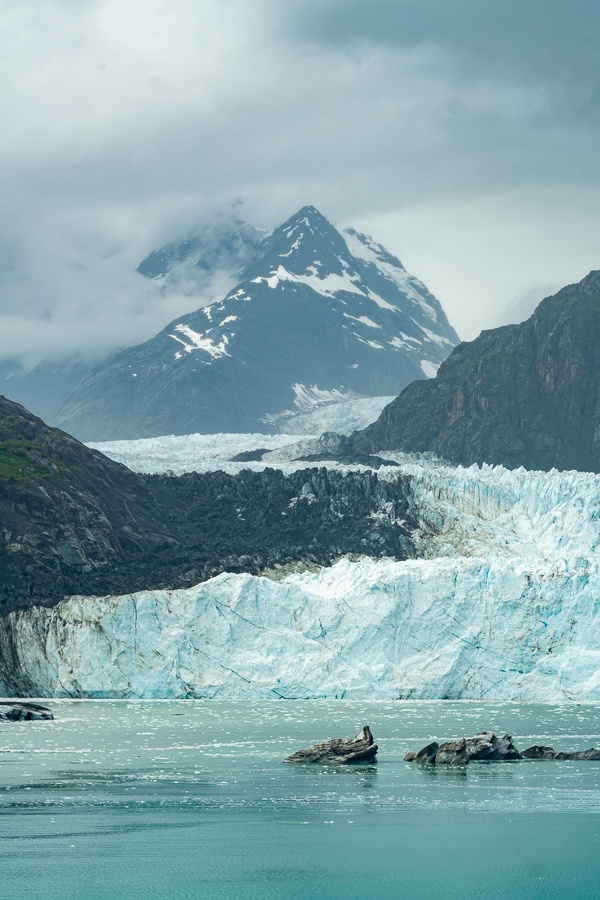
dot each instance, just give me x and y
(464, 135)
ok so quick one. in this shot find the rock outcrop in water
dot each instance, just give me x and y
(540, 752)
(521, 395)
(361, 748)
(15, 711)
(485, 746)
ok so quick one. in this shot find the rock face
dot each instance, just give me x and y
(71, 519)
(452, 753)
(522, 395)
(24, 712)
(75, 522)
(488, 746)
(361, 748)
(317, 316)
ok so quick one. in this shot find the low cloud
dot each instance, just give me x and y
(127, 124)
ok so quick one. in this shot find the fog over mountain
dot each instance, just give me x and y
(317, 316)
(466, 139)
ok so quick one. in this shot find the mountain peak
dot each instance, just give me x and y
(315, 316)
(310, 215)
(591, 282)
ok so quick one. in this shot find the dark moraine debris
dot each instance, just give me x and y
(361, 748)
(14, 711)
(540, 752)
(349, 459)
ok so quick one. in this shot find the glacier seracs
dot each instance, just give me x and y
(446, 628)
(502, 606)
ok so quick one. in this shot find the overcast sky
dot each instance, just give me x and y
(462, 134)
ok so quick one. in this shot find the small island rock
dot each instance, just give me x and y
(540, 752)
(361, 748)
(17, 711)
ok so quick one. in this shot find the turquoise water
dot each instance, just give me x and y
(190, 799)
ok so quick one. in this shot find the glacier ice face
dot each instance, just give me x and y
(447, 628)
(503, 605)
(469, 512)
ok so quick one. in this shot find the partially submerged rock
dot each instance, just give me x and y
(452, 753)
(424, 756)
(486, 745)
(339, 750)
(483, 746)
(540, 752)
(14, 711)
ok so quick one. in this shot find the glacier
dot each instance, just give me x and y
(445, 628)
(502, 604)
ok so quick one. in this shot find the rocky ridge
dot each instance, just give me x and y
(521, 395)
(75, 522)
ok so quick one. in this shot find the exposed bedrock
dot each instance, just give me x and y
(361, 748)
(75, 522)
(521, 395)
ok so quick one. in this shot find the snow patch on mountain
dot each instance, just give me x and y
(200, 342)
(305, 397)
(429, 368)
(327, 284)
(362, 246)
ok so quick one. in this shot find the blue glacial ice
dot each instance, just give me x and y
(504, 605)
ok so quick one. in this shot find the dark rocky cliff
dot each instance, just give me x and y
(74, 522)
(522, 395)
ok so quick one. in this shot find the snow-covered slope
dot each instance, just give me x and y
(504, 605)
(341, 416)
(317, 316)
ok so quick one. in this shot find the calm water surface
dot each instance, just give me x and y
(190, 799)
